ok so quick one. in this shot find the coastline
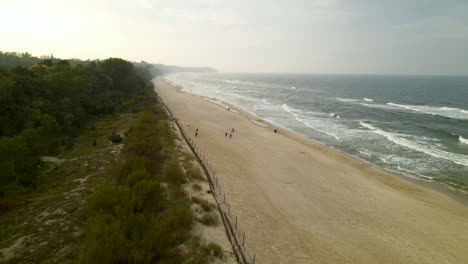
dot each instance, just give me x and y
(301, 201)
(438, 186)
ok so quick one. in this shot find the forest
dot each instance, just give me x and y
(44, 102)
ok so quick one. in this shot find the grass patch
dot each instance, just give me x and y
(204, 204)
(196, 187)
(193, 172)
(209, 219)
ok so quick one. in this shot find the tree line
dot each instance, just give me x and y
(44, 102)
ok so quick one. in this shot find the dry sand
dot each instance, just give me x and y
(302, 202)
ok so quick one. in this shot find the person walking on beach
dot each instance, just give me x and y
(225, 134)
(230, 135)
(196, 134)
(232, 130)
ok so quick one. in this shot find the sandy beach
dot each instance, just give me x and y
(301, 202)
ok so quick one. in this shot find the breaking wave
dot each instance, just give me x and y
(463, 140)
(305, 121)
(450, 112)
(346, 99)
(455, 158)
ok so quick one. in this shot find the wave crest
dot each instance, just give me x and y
(463, 140)
(453, 157)
(455, 113)
(346, 99)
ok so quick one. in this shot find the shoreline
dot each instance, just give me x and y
(440, 187)
(300, 201)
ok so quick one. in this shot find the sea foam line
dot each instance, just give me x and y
(455, 158)
(450, 112)
(293, 111)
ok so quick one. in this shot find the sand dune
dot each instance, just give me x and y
(302, 202)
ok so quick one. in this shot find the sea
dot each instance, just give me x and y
(416, 126)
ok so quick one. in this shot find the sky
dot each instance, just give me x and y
(296, 36)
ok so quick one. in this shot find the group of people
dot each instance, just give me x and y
(225, 134)
(230, 134)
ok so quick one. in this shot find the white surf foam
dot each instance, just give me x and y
(368, 99)
(462, 140)
(231, 81)
(306, 122)
(434, 152)
(346, 99)
(450, 112)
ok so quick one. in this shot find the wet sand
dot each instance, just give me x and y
(302, 202)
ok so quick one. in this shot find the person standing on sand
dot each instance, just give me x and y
(196, 134)
(232, 130)
(225, 134)
(230, 135)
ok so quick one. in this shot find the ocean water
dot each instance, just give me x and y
(413, 125)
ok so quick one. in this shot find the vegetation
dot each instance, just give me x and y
(43, 106)
(209, 219)
(204, 204)
(142, 214)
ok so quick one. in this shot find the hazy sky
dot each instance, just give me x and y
(312, 36)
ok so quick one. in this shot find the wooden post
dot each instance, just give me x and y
(236, 221)
(224, 198)
(243, 238)
(254, 259)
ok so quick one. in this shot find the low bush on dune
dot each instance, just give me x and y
(209, 219)
(142, 214)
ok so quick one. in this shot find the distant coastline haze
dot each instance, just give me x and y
(314, 36)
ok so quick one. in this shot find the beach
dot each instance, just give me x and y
(302, 202)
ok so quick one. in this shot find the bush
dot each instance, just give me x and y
(144, 216)
(209, 219)
(193, 172)
(214, 249)
(173, 173)
(204, 204)
(196, 187)
(115, 138)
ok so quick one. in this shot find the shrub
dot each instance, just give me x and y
(204, 204)
(109, 199)
(209, 219)
(214, 249)
(173, 173)
(196, 187)
(193, 172)
(144, 216)
(148, 196)
(115, 138)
